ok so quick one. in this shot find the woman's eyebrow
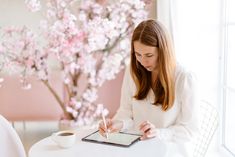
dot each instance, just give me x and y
(144, 54)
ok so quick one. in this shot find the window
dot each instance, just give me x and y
(205, 42)
(228, 77)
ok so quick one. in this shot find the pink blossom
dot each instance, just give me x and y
(51, 13)
(105, 112)
(1, 79)
(90, 95)
(91, 42)
(33, 5)
(147, 1)
(29, 62)
(67, 80)
(26, 85)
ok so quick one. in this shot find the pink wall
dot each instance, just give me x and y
(38, 103)
(110, 94)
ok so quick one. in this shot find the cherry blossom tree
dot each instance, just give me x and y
(84, 37)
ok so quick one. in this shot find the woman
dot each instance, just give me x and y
(159, 97)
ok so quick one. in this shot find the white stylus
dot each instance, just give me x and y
(105, 125)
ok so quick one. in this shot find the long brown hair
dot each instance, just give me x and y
(152, 33)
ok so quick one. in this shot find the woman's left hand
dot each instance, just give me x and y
(148, 129)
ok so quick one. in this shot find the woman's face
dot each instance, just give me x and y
(146, 55)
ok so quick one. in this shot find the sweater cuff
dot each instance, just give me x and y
(164, 134)
(127, 125)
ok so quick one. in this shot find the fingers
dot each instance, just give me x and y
(112, 126)
(148, 130)
(150, 134)
(103, 129)
(113, 129)
(109, 123)
(146, 126)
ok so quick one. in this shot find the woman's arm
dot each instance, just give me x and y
(187, 122)
(124, 112)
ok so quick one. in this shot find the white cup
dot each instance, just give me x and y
(64, 139)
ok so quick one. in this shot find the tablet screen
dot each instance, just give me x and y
(118, 139)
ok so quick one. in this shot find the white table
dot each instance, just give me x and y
(48, 148)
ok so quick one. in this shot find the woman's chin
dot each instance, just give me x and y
(148, 69)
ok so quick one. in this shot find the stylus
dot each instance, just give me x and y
(105, 125)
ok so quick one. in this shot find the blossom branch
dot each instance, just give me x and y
(57, 99)
(93, 42)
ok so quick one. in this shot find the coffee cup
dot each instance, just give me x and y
(64, 139)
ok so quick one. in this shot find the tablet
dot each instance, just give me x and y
(116, 139)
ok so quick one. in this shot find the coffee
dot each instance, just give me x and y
(64, 139)
(66, 134)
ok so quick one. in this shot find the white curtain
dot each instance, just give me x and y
(195, 29)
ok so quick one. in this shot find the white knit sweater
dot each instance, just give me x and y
(178, 124)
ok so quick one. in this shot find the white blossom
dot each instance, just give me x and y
(1, 79)
(90, 95)
(33, 5)
(86, 41)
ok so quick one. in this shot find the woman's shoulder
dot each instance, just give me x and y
(128, 77)
(127, 72)
(183, 72)
(184, 76)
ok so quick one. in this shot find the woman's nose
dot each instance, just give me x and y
(144, 61)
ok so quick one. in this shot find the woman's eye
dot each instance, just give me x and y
(138, 55)
(149, 55)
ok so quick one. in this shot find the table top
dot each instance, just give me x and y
(47, 147)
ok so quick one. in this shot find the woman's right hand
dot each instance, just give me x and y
(112, 126)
